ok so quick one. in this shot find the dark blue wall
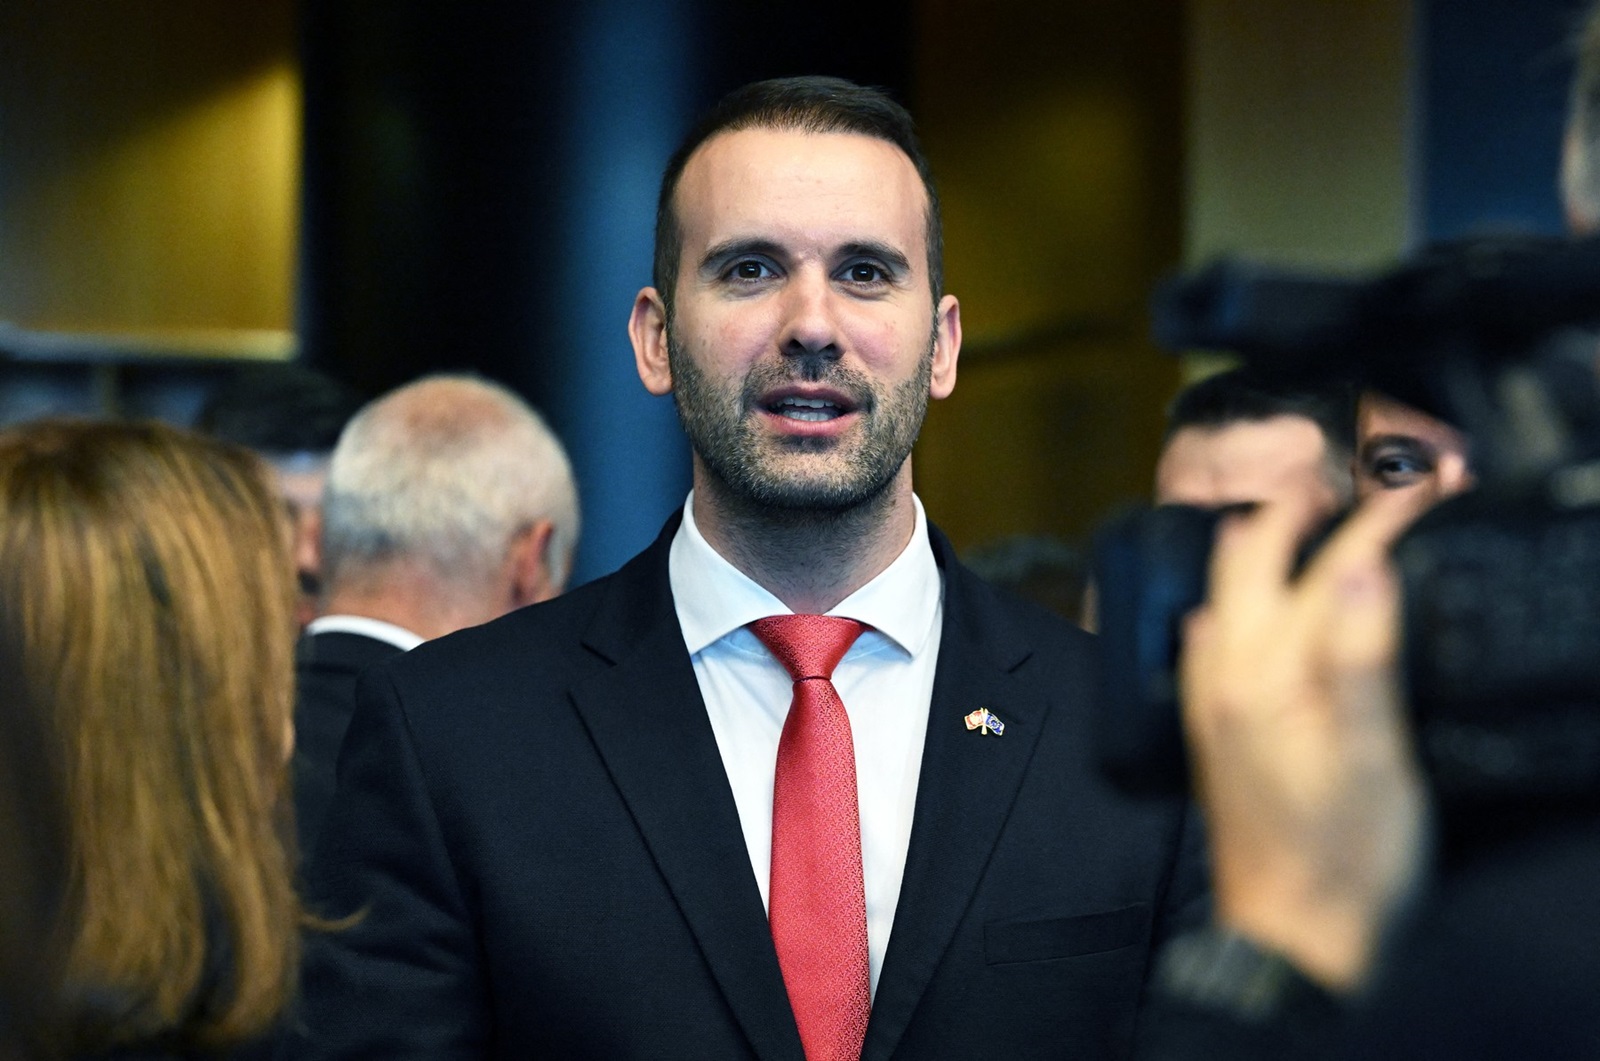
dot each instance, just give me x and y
(1491, 96)
(479, 194)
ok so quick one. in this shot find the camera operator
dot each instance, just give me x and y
(1314, 804)
(1349, 920)
(1320, 840)
(1239, 438)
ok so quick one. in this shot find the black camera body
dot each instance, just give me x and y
(1501, 647)
(1149, 570)
(1501, 636)
(1500, 586)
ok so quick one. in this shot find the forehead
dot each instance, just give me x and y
(1380, 416)
(801, 188)
(301, 487)
(1249, 461)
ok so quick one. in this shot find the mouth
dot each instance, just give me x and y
(807, 410)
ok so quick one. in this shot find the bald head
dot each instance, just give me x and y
(443, 482)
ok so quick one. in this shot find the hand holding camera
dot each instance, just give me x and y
(1298, 737)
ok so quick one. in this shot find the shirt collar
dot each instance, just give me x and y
(377, 629)
(714, 599)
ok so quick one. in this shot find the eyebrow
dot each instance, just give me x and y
(882, 251)
(722, 253)
(1411, 441)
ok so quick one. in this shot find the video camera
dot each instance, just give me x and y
(1501, 586)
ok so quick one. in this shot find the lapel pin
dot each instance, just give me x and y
(985, 723)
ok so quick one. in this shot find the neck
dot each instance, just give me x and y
(427, 611)
(810, 560)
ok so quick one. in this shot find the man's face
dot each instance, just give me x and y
(804, 342)
(300, 486)
(1252, 461)
(1401, 448)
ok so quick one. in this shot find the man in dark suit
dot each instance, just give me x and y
(639, 821)
(449, 502)
(326, 666)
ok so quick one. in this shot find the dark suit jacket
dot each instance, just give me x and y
(326, 667)
(535, 817)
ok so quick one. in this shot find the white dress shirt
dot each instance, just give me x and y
(377, 629)
(885, 681)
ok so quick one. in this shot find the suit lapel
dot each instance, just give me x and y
(965, 792)
(647, 719)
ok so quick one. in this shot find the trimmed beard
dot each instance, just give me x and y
(722, 430)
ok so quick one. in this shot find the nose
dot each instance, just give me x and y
(1454, 475)
(810, 327)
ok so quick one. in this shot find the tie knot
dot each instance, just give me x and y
(808, 646)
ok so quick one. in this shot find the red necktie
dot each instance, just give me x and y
(817, 904)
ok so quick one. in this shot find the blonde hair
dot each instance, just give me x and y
(150, 575)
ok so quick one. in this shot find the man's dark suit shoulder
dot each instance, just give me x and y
(548, 637)
(524, 661)
(326, 668)
(530, 636)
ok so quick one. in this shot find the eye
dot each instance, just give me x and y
(1394, 467)
(749, 269)
(865, 273)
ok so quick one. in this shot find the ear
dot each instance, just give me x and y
(1576, 158)
(946, 347)
(530, 573)
(308, 538)
(307, 544)
(647, 327)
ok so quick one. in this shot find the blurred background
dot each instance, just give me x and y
(385, 189)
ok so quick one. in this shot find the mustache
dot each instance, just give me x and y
(766, 377)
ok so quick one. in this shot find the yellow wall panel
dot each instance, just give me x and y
(149, 158)
(1055, 133)
(1298, 132)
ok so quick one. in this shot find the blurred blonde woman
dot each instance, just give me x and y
(150, 575)
(32, 858)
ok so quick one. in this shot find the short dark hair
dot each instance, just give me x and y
(804, 104)
(1243, 395)
(279, 409)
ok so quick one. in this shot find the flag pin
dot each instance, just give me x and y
(985, 723)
